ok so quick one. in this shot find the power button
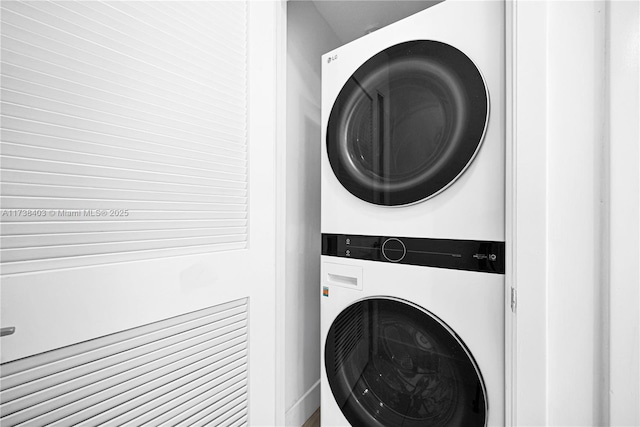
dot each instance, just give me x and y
(394, 250)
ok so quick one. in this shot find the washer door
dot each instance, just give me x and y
(407, 123)
(390, 363)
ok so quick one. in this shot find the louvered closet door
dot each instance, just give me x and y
(124, 131)
(137, 168)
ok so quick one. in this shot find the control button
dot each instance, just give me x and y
(393, 250)
(492, 257)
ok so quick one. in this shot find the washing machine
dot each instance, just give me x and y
(413, 254)
(413, 127)
(412, 332)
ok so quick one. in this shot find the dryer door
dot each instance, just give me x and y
(407, 123)
(390, 363)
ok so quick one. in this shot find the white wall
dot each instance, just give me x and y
(575, 181)
(559, 72)
(575, 90)
(308, 37)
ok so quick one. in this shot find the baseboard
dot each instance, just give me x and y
(304, 407)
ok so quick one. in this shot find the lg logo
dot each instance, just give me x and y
(332, 58)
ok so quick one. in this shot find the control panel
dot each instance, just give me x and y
(471, 255)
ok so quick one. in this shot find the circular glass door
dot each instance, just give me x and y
(390, 364)
(407, 123)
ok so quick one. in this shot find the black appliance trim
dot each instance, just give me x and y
(470, 255)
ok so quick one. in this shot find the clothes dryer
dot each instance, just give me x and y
(413, 127)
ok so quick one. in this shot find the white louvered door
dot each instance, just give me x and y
(137, 167)
(124, 131)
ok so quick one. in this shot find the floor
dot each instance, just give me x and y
(314, 420)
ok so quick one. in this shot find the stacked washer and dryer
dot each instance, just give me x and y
(413, 259)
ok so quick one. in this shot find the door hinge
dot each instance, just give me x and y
(514, 300)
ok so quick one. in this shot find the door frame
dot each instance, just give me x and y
(280, 370)
(534, 72)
